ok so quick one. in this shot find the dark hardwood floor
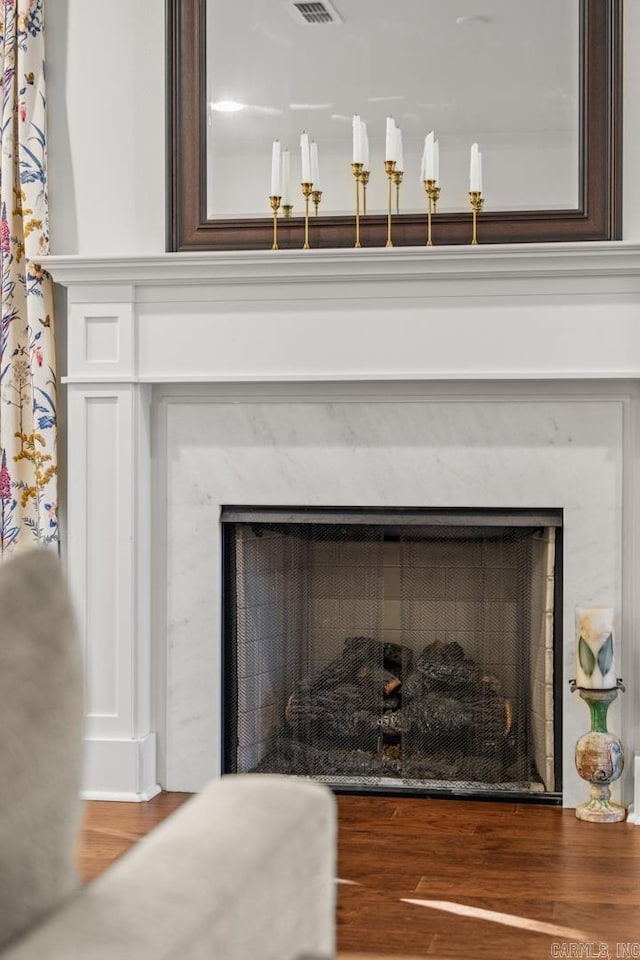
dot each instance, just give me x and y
(501, 881)
(109, 829)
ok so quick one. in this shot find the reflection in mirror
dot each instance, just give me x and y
(503, 73)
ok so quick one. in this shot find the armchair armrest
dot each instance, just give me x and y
(243, 871)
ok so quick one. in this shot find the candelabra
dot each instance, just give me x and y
(275, 204)
(316, 196)
(307, 189)
(397, 179)
(433, 194)
(477, 201)
(599, 757)
(389, 167)
(357, 170)
(364, 180)
(287, 210)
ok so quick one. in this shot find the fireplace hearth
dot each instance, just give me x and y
(397, 650)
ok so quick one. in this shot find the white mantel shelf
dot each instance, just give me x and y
(518, 311)
(495, 261)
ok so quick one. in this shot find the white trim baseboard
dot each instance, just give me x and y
(120, 769)
(120, 797)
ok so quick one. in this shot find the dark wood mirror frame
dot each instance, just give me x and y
(599, 216)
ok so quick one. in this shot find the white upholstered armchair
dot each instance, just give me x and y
(244, 871)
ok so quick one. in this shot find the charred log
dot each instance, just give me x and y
(386, 681)
(376, 710)
(347, 712)
(361, 658)
(445, 667)
(436, 720)
(301, 759)
(394, 657)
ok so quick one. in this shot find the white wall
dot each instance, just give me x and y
(106, 125)
(105, 76)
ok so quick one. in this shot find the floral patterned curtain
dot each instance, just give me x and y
(28, 486)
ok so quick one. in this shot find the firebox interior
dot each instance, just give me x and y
(385, 651)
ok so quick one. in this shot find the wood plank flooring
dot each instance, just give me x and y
(109, 829)
(501, 881)
(533, 863)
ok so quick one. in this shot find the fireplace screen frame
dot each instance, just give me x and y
(394, 520)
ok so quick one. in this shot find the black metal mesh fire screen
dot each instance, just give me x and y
(393, 650)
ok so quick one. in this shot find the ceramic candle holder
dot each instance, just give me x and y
(599, 758)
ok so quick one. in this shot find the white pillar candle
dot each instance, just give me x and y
(390, 142)
(275, 169)
(286, 178)
(365, 145)
(475, 170)
(357, 139)
(399, 151)
(305, 159)
(315, 166)
(436, 161)
(595, 666)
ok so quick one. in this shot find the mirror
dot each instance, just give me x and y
(268, 83)
(536, 85)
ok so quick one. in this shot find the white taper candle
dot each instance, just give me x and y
(475, 173)
(275, 169)
(399, 151)
(305, 159)
(429, 164)
(286, 178)
(390, 142)
(357, 139)
(365, 145)
(315, 166)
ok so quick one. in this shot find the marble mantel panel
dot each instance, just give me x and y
(407, 446)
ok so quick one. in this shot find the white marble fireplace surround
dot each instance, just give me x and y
(485, 377)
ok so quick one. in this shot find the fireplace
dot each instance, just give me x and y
(394, 650)
(476, 377)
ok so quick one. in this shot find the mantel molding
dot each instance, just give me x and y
(495, 262)
(560, 311)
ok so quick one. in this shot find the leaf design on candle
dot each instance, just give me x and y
(605, 655)
(586, 657)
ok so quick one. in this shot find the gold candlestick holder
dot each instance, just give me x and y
(389, 169)
(357, 170)
(275, 204)
(364, 180)
(397, 179)
(477, 201)
(433, 194)
(316, 196)
(307, 189)
(287, 210)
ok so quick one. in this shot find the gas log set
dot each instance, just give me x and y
(379, 710)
